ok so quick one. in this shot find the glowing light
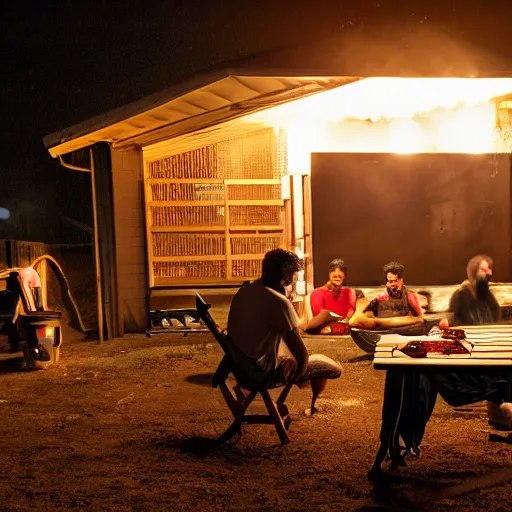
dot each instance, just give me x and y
(4, 213)
(395, 115)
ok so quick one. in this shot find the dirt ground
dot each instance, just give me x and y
(103, 431)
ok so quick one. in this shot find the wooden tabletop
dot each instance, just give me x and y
(486, 346)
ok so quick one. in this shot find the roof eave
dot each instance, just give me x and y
(102, 127)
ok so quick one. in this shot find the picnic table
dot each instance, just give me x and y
(418, 368)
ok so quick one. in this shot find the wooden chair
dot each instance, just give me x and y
(239, 398)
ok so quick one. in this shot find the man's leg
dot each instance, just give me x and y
(320, 369)
(398, 321)
(362, 321)
(317, 322)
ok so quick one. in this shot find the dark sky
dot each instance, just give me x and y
(65, 61)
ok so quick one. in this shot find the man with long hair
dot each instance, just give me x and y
(261, 316)
(473, 303)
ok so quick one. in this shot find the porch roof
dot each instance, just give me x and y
(198, 103)
(259, 81)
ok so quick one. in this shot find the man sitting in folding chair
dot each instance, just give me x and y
(260, 317)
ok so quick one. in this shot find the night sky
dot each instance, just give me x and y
(65, 61)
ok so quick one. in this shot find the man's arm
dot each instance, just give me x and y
(414, 304)
(351, 303)
(373, 307)
(298, 350)
(316, 301)
(459, 306)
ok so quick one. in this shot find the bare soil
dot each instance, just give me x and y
(103, 430)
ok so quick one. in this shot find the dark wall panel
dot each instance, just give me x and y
(431, 212)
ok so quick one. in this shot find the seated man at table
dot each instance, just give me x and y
(473, 303)
(396, 307)
(331, 303)
(261, 316)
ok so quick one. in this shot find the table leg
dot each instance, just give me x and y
(394, 393)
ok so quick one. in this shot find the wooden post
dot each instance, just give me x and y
(97, 259)
(229, 259)
(308, 228)
(43, 274)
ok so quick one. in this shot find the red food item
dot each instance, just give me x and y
(453, 334)
(444, 347)
(443, 324)
(415, 349)
(340, 328)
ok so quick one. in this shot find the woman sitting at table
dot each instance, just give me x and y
(332, 304)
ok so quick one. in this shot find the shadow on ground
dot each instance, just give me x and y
(12, 364)
(200, 379)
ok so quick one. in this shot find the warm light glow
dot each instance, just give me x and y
(392, 115)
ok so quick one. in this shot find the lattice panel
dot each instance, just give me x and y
(252, 192)
(187, 215)
(249, 157)
(190, 269)
(191, 237)
(254, 244)
(199, 163)
(187, 191)
(246, 268)
(189, 244)
(282, 153)
(256, 215)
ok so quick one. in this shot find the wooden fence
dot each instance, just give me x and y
(15, 253)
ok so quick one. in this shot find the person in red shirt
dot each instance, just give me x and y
(332, 304)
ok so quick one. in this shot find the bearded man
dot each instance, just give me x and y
(396, 307)
(473, 303)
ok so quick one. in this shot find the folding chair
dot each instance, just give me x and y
(33, 328)
(238, 401)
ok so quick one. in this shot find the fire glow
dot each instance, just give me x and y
(392, 115)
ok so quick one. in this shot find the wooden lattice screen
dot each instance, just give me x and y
(213, 212)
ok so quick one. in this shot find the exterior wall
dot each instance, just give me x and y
(127, 181)
(431, 212)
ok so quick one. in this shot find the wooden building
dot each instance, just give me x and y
(192, 187)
